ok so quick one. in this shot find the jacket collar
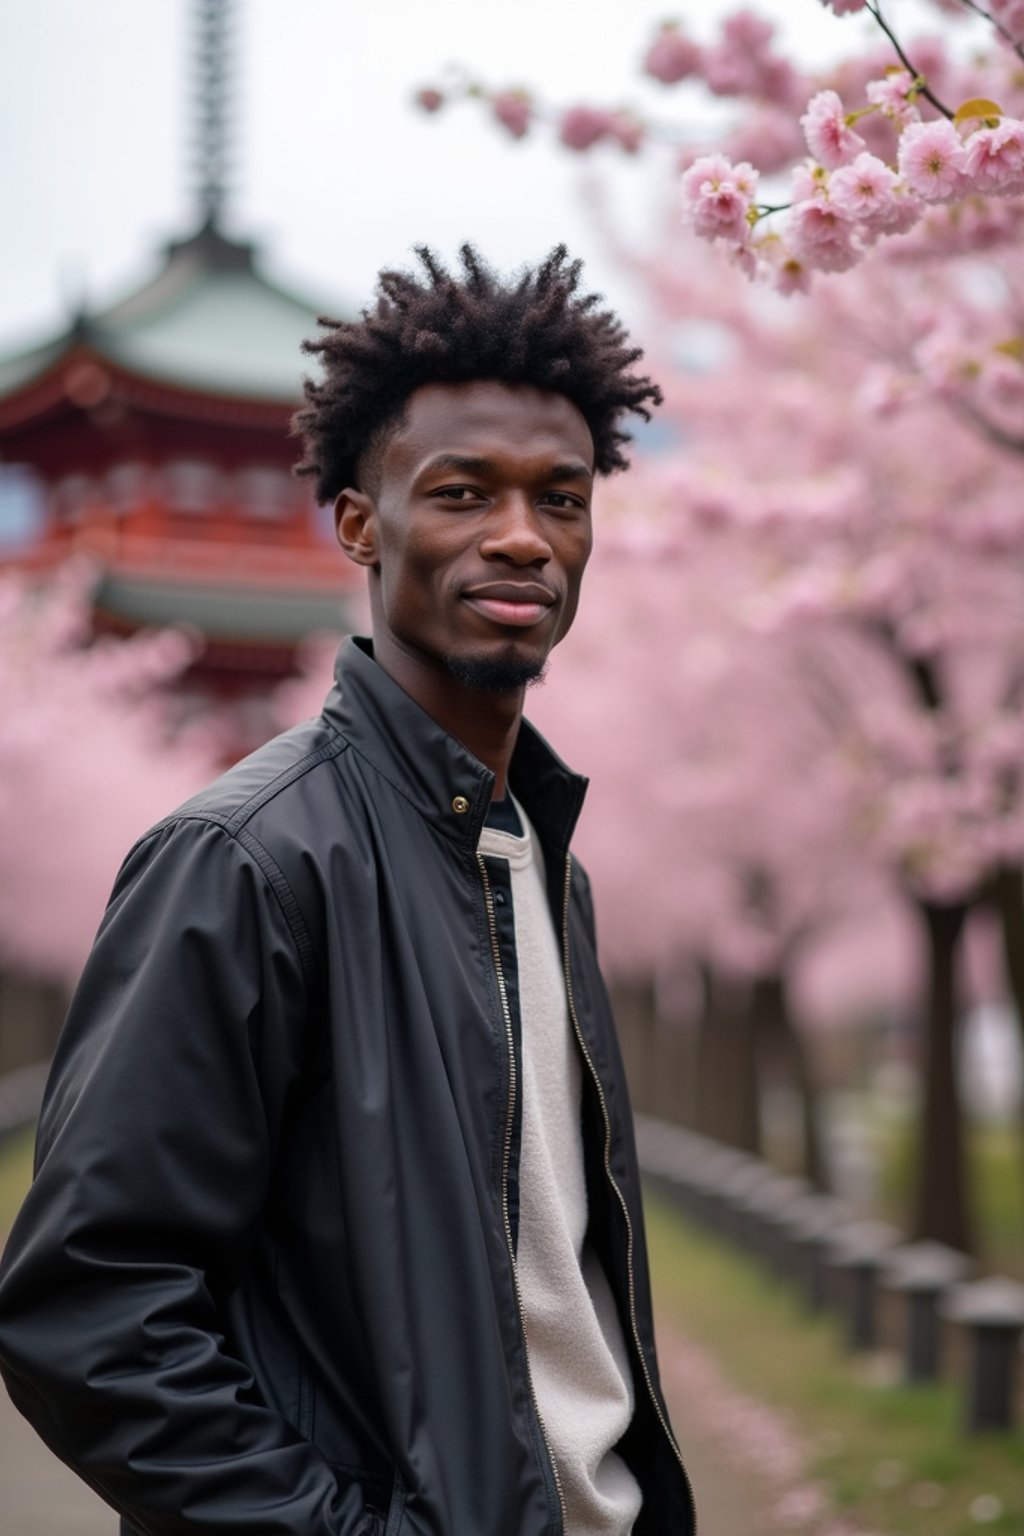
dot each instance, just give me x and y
(444, 781)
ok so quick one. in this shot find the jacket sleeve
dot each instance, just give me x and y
(155, 1150)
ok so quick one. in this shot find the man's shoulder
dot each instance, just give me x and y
(284, 769)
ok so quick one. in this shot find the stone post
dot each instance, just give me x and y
(924, 1273)
(859, 1252)
(993, 1311)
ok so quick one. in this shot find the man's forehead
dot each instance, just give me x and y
(484, 416)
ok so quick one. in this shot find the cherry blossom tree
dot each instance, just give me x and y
(875, 543)
(921, 140)
(90, 755)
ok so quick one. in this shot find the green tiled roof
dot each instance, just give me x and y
(208, 320)
(222, 613)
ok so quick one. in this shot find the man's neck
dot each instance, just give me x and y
(485, 722)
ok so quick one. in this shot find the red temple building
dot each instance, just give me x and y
(152, 435)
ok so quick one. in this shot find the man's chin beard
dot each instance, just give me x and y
(495, 674)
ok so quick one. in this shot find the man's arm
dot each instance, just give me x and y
(155, 1150)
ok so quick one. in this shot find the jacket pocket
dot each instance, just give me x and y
(305, 1408)
(396, 1506)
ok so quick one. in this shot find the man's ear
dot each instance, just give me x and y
(355, 522)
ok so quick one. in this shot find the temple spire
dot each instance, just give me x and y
(214, 32)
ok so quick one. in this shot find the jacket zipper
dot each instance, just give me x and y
(618, 1192)
(506, 1161)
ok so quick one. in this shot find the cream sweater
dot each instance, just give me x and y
(577, 1353)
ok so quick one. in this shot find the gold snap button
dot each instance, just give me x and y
(460, 805)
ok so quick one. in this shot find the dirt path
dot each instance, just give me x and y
(748, 1465)
(731, 1500)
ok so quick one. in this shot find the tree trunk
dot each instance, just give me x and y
(681, 998)
(633, 1004)
(778, 1032)
(941, 1210)
(1006, 892)
(726, 1059)
(673, 1072)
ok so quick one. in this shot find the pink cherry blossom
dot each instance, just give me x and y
(513, 111)
(882, 391)
(1011, 14)
(582, 127)
(829, 137)
(994, 158)
(808, 182)
(943, 358)
(745, 259)
(864, 191)
(996, 528)
(429, 99)
(781, 84)
(933, 63)
(672, 56)
(736, 64)
(132, 763)
(890, 96)
(905, 210)
(719, 196)
(931, 161)
(768, 137)
(977, 224)
(869, 107)
(821, 237)
(627, 131)
(999, 391)
(786, 273)
(791, 276)
(746, 30)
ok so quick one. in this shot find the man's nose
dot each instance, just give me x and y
(515, 532)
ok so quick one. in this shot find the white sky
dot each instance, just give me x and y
(337, 173)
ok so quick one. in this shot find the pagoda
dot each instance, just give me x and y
(152, 436)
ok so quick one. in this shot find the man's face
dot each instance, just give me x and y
(480, 530)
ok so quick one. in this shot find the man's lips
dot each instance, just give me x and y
(506, 602)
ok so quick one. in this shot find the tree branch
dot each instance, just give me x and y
(988, 429)
(1004, 31)
(920, 83)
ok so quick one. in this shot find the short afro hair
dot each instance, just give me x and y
(438, 329)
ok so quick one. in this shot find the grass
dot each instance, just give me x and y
(893, 1458)
(15, 1175)
(997, 1171)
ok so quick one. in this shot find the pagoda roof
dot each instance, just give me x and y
(208, 321)
(222, 612)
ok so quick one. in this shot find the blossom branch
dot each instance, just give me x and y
(1001, 28)
(857, 188)
(1012, 441)
(920, 83)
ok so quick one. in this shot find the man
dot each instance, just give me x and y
(336, 1226)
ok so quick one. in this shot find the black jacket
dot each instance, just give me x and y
(263, 1282)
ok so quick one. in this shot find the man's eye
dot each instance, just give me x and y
(456, 493)
(563, 502)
